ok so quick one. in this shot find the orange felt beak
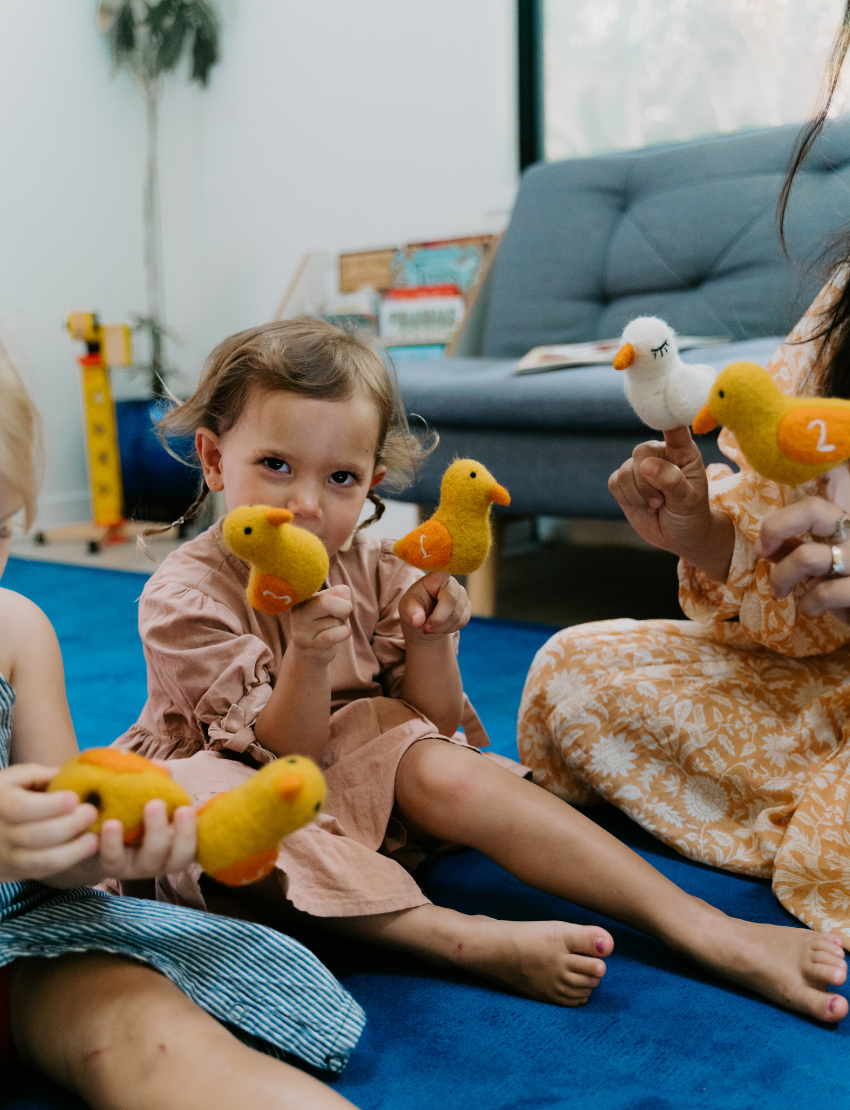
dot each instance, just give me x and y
(289, 787)
(624, 357)
(500, 495)
(704, 421)
(278, 516)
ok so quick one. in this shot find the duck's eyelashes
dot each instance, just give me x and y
(659, 350)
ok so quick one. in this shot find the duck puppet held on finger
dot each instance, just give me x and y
(456, 539)
(785, 439)
(288, 564)
(664, 391)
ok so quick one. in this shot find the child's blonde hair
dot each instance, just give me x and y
(21, 441)
(313, 359)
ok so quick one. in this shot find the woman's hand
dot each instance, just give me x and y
(796, 561)
(320, 625)
(41, 834)
(435, 605)
(663, 492)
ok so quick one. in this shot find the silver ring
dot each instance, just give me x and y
(837, 565)
(842, 529)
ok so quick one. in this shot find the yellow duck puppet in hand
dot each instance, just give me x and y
(457, 537)
(785, 439)
(238, 831)
(288, 564)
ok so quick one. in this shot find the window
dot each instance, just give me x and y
(603, 75)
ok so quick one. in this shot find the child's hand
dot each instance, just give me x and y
(663, 492)
(436, 605)
(165, 848)
(40, 834)
(320, 625)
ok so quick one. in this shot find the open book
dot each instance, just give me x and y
(600, 352)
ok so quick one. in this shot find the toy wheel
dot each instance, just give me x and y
(40, 539)
(94, 547)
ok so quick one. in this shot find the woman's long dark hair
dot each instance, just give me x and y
(833, 368)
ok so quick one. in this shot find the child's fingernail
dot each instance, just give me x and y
(831, 1006)
(600, 944)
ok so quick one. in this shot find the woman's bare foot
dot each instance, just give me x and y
(792, 967)
(551, 961)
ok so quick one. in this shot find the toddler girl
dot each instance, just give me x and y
(123, 1013)
(364, 679)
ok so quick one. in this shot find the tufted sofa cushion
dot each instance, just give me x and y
(686, 232)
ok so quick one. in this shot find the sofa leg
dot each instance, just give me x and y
(483, 584)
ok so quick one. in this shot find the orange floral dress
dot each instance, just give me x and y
(724, 735)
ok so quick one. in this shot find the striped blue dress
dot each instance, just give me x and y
(268, 989)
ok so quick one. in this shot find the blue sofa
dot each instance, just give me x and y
(685, 232)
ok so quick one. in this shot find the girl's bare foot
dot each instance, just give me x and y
(551, 961)
(792, 967)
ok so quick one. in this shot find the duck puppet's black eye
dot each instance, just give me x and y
(248, 531)
(472, 474)
(721, 394)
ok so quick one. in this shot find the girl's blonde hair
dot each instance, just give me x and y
(21, 441)
(312, 359)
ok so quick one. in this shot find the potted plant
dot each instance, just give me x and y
(149, 38)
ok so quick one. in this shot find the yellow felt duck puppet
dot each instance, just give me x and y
(288, 564)
(457, 537)
(238, 831)
(785, 439)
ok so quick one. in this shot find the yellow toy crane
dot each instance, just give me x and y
(107, 346)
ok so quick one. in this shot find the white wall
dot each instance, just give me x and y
(327, 125)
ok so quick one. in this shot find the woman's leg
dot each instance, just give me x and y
(123, 1037)
(450, 793)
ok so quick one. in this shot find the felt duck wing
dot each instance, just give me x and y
(428, 547)
(815, 434)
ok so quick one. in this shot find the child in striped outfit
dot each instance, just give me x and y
(124, 1013)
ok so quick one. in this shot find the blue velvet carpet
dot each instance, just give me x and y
(657, 1034)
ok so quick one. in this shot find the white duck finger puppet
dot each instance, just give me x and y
(664, 391)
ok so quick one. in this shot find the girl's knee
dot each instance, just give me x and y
(92, 1019)
(439, 771)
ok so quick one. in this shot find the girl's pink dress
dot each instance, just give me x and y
(212, 661)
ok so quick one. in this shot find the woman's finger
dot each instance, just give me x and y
(53, 831)
(808, 560)
(812, 514)
(19, 806)
(829, 596)
(655, 451)
(623, 486)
